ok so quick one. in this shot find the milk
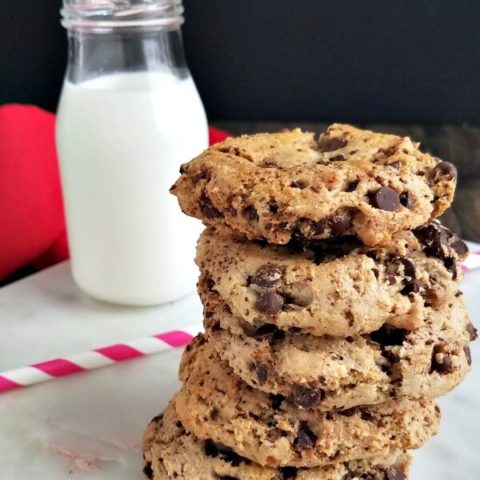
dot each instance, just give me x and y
(121, 139)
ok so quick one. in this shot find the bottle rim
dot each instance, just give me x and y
(105, 15)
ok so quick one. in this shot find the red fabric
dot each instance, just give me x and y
(32, 225)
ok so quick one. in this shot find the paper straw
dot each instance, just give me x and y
(99, 357)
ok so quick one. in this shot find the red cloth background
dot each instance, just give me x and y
(32, 224)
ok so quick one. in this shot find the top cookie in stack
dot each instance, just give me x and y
(280, 186)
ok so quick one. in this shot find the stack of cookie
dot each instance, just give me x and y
(332, 309)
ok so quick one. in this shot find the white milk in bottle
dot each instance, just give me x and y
(121, 138)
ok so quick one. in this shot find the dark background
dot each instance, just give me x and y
(411, 67)
(356, 60)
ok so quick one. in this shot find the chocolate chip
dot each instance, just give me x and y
(147, 470)
(459, 246)
(338, 158)
(288, 473)
(472, 331)
(269, 332)
(210, 449)
(468, 354)
(435, 240)
(441, 361)
(214, 414)
(339, 224)
(298, 184)
(412, 286)
(352, 186)
(158, 418)
(227, 477)
(250, 213)
(366, 416)
(394, 474)
(349, 412)
(208, 209)
(446, 169)
(318, 227)
(439, 242)
(269, 302)
(395, 165)
(407, 199)
(408, 267)
(387, 151)
(332, 144)
(283, 227)
(387, 335)
(267, 276)
(386, 198)
(391, 272)
(305, 397)
(273, 207)
(305, 437)
(276, 401)
(262, 372)
(269, 163)
(225, 453)
(451, 266)
(202, 175)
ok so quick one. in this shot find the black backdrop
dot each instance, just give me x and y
(359, 60)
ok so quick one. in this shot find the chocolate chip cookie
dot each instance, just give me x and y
(171, 452)
(346, 372)
(338, 288)
(278, 186)
(215, 404)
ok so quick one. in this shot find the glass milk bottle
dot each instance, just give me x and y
(129, 115)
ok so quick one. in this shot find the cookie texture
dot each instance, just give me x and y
(347, 372)
(276, 186)
(171, 452)
(215, 404)
(338, 288)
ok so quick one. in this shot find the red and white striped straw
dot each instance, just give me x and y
(99, 357)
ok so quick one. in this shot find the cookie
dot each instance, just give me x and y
(346, 372)
(171, 452)
(335, 288)
(275, 186)
(215, 404)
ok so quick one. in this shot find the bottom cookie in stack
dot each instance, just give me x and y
(171, 452)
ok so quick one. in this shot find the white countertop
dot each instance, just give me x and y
(89, 426)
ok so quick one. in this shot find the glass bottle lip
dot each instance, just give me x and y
(105, 15)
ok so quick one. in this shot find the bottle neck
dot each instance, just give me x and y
(104, 15)
(106, 37)
(91, 54)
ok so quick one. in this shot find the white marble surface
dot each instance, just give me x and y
(89, 426)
